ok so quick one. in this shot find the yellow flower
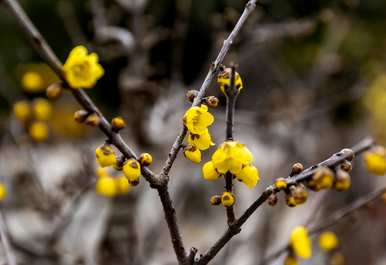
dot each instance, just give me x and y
(224, 80)
(322, 179)
(122, 184)
(32, 82)
(105, 156)
(22, 110)
(301, 243)
(342, 180)
(249, 175)
(231, 156)
(132, 171)
(81, 69)
(193, 154)
(3, 191)
(375, 160)
(38, 131)
(42, 109)
(209, 172)
(290, 260)
(197, 119)
(227, 199)
(328, 241)
(106, 187)
(201, 141)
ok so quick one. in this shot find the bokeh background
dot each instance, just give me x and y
(314, 74)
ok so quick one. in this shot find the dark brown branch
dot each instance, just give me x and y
(249, 7)
(333, 219)
(305, 175)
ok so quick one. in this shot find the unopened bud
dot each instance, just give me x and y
(80, 116)
(191, 94)
(215, 200)
(93, 120)
(296, 168)
(54, 90)
(273, 199)
(212, 101)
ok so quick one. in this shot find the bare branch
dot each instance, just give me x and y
(235, 228)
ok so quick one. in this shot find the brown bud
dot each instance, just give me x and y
(215, 200)
(191, 94)
(145, 159)
(273, 199)
(297, 168)
(134, 182)
(212, 101)
(299, 193)
(118, 123)
(93, 120)
(80, 116)
(54, 90)
(349, 153)
(346, 166)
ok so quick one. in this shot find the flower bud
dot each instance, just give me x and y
(132, 171)
(281, 183)
(105, 156)
(22, 110)
(80, 116)
(190, 95)
(193, 154)
(342, 180)
(299, 193)
(145, 159)
(375, 160)
(296, 168)
(228, 199)
(106, 187)
(346, 166)
(322, 179)
(350, 153)
(215, 200)
(212, 101)
(38, 131)
(118, 123)
(273, 199)
(93, 120)
(54, 91)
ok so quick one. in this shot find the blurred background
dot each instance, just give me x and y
(314, 74)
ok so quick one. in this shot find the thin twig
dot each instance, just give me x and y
(214, 69)
(235, 228)
(10, 256)
(333, 219)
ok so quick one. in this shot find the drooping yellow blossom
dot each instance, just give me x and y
(249, 175)
(231, 156)
(342, 180)
(328, 241)
(38, 131)
(228, 199)
(106, 187)
(22, 110)
(145, 159)
(301, 243)
(3, 191)
(375, 160)
(132, 171)
(32, 82)
(105, 156)
(197, 119)
(224, 80)
(201, 141)
(123, 184)
(81, 69)
(290, 260)
(193, 154)
(209, 172)
(42, 109)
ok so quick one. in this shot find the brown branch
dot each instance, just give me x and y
(333, 219)
(9, 255)
(214, 69)
(235, 228)
(83, 99)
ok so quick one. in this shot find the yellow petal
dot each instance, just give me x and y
(209, 172)
(249, 175)
(301, 243)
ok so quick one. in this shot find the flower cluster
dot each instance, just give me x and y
(82, 70)
(235, 158)
(110, 186)
(34, 116)
(197, 120)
